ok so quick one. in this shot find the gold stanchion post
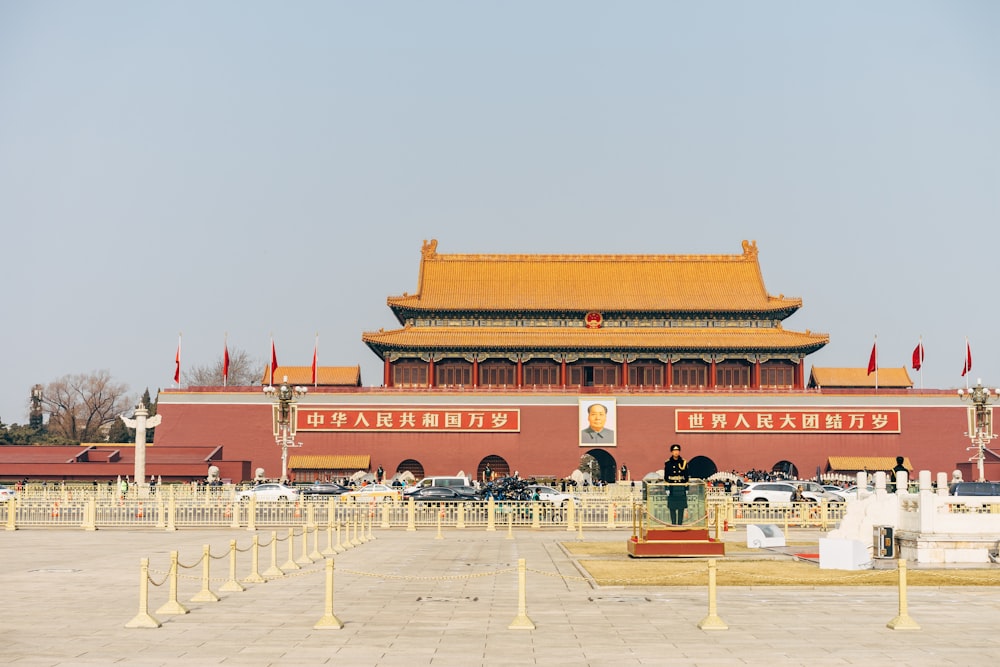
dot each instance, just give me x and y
(255, 576)
(172, 605)
(231, 585)
(143, 619)
(205, 594)
(329, 620)
(902, 620)
(712, 621)
(521, 621)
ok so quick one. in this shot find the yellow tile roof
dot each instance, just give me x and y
(632, 283)
(870, 463)
(616, 338)
(329, 461)
(325, 375)
(844, 378)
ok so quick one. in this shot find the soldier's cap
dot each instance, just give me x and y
(675, 448)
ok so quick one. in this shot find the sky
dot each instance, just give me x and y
(256, 169)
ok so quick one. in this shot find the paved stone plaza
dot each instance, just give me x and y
(411, 599)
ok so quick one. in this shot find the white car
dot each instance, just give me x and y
(269, 492)
(371, 492)
(781, 492)
(549, 494)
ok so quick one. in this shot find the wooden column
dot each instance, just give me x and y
(475, 372)
(430, 372)
(800, 375)
(668, 381)
(562, 372)
(520, 373)
(387, 373)
(625, 373)
(755, 375)
(711, 375)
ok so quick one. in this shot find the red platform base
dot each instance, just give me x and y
(661, 543)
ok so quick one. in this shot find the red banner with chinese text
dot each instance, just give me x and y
(787, 421)
(409, 420)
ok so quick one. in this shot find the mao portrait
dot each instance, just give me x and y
(597, 421)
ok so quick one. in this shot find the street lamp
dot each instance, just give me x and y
(980, 421)
(283, 418)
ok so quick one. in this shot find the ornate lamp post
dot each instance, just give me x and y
(980, 421)
(284, 413)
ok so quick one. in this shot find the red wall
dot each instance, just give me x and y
(547, 444)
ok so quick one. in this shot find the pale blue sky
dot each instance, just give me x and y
(258, 167)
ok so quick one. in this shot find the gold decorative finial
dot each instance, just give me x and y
(429, 249)
(749, 248)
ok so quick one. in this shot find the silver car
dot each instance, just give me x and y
(781, 492)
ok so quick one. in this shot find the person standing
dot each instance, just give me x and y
(899, 467)
(675, 474)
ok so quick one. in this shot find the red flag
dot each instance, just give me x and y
(918, 356)
(873, 360)
(968, 359)
(225, 363)
(177, 363)
(315, 350)
(274, 360)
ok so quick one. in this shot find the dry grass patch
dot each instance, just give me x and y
(613, 567)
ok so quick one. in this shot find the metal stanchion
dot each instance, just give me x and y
(205, 594)
(329, 620)
(712, 621)
(232, 586)
(521, 621)
(274, 570)
(255, 576)
(143, 619)
(902, 620)
(290, 564)
(172, 605)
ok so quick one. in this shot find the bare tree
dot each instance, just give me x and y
(82, 407)
(244, 371)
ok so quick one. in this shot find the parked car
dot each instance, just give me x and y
(781, 492)
(444, 493)
(371, 492)
(851, 492)
(549, 494)
(268, 492)
(6, 493)
(837, 491)
(974, 489)
(323, 489)
(437, 481)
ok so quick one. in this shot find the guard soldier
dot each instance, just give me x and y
(675, 474)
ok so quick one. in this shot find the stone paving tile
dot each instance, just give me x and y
(74, 592)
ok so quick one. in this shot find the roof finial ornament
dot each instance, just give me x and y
(749, 248)
(429, 249)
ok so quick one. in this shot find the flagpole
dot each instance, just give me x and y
(875, 352)
(270, 364)
(225, 359)
(967, 366)
(315, 369)
(177, 361)
(920, 346)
